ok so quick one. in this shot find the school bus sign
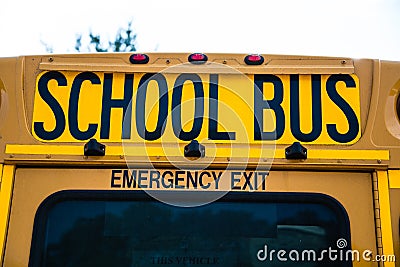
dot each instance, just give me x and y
(246, 190)
(72, 106)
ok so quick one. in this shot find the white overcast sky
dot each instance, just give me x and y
(348, 28)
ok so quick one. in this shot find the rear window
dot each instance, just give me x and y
(98, 228)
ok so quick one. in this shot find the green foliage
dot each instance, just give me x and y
(125, 41)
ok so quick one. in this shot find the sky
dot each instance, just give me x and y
(344, 28)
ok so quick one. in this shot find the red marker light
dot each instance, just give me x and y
(254, 59)
(198, 58)
(139, 59)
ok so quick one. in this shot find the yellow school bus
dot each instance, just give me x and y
(165, 159)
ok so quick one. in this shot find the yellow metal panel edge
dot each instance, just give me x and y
(386, 222)
(348, 154)
(394, 178)
(273, 69)
(158, 151)
(6, 188)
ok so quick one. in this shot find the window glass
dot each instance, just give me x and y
(134, 230)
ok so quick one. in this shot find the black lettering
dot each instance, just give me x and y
(295, 109)
(177, 110)
(194, 260)
(275, 104)
(215, 260)
(216, 178)
(235, 180)
(108, 103)
(154, 177)
(191, 179)
(115, 178)
(178, 179)
(73, 106)
(141, 107)
(264, 179)
(247, 180)
(164, 260)
(344, 106)
(129, 181)
(53, 105)
(170, 180)
(204, 186)
(142, 178)
(213, 133)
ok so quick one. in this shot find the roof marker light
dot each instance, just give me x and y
(197, 58)
(139, 59)
(254, 59)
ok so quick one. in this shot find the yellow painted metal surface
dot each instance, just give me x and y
(394, 178)
(157, 151)
(212, 108)
(385, 216)
(6, 190)
(33, 185)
